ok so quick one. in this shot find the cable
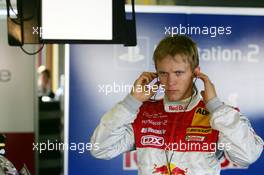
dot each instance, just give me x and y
(32, 53)
(17, 15)
(11, 7)
(153, 99)
(133, 10)
(168, 161)
(196, 92)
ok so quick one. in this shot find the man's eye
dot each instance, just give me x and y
(179, 73)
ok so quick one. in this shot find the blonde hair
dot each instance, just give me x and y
(177, 45)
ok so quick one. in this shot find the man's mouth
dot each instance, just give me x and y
(172, 90)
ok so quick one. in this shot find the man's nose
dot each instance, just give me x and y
(171, 80)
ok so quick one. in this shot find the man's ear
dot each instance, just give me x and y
(196, 70)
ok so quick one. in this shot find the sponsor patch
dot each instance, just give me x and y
(176, 107)
(154, 115)
(194, 138)
(164, 169)
(152, 140)
(201, 117)
(154, 122)
(196, 130)
(151, 130)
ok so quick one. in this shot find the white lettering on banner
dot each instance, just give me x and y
(5, 75)
(130, 160)
(152, 140)
(251, 56)
(155, 123)
(155, 131)
(218, 53)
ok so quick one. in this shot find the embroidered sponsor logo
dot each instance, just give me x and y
(155, 123)
(196, 130)
(155, 115)
(176, 108)
(155, 131)
(152, 140)
(194, 138)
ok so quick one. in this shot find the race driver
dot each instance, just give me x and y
(186, 132)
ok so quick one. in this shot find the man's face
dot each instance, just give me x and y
(176, 77)
(43, 80)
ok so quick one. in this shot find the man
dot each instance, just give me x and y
(44, 80)
(183, 133)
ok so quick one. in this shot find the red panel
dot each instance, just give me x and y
(19, 150)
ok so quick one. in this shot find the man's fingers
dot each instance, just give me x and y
(146, 78)
(142, 89)
(150, 75)
(209, 90)
(203, 77)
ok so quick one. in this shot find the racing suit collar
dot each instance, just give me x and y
(179, 106)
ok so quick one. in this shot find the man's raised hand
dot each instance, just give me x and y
(209, 91)
(142, 91)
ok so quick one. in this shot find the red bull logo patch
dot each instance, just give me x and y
(164, 170)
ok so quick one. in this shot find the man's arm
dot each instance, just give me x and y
(114, 135)
(243, 146)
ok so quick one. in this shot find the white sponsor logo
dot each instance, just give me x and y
(152, 140)
(155, 131)
(155, 123)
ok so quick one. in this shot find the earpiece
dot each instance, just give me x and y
(195, 72)
(158, 81)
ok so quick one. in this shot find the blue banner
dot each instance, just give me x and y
(231, 53)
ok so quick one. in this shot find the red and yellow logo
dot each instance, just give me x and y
(164, 170)
(198, 130)
(201, 118)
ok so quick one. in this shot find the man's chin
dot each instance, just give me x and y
(173, 96)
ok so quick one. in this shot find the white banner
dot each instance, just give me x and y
(17, 87)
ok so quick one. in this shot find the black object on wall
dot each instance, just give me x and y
(20, 27)
(26, 28)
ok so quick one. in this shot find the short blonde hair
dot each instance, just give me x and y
(177, 45)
